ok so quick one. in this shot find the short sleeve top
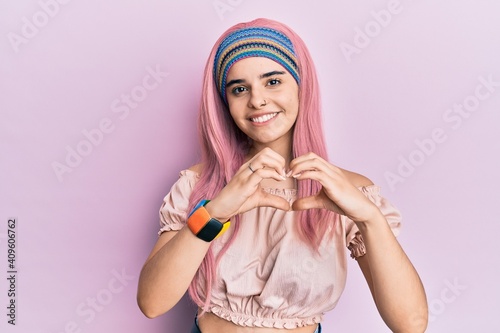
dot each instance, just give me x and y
(268, 277)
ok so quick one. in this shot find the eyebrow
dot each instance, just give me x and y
(262, 76)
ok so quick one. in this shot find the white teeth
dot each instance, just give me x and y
(264, 118)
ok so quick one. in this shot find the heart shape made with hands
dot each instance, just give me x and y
(338, 192)
(318, 201)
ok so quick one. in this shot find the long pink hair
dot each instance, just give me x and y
(224, 147)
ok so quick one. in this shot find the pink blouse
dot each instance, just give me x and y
(268, 277)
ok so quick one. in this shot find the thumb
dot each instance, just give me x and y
(270, 200)
(307, 203)
(316, 201)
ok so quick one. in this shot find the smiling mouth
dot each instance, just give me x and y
(264, 118)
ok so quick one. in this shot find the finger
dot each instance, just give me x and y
(302, 158)
(312, 164)
(266, 173)
(268, 158)
(321, 175)
(333, 186)
(271, 153)
(305, 156)
(306, 203)
(274, 165)
(317, 175)
(315, 202)
(314, 161)
(255, 165)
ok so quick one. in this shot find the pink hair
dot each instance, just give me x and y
(224, 147)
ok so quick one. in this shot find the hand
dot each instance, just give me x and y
(337, 194)
(244, 192)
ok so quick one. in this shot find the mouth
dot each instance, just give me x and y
(264, 118)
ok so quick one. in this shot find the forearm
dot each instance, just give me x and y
(166, 276)
(394, 282)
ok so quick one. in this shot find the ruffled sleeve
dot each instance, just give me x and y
(354, 240)
(173, 211)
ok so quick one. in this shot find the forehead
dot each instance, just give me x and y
(253, 67)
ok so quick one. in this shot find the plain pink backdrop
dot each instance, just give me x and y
(83, 236)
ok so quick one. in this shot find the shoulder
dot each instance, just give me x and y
(197, 168)
(187, 180)
(356, 179)
(191, 174)
(194, 171)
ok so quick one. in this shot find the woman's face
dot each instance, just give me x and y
(263, 99)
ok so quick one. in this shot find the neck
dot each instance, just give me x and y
(282, 147)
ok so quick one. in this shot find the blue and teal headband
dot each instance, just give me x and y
(253, 42)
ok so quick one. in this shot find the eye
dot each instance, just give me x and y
(238, 90)
(273, 82)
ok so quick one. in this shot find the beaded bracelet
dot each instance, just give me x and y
(203, 225)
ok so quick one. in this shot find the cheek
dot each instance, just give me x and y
(232, 112)
(236, 117)
(293, 98)
(232, 108)
(293, 104)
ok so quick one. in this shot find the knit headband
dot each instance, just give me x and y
(253, 42)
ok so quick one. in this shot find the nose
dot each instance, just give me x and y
(257, 98)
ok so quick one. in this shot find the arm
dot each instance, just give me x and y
(168, 271)
(393, 281)
(177, 255)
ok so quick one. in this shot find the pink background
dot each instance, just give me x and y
(98, 220)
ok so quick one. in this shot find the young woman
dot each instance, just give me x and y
(257, 231)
